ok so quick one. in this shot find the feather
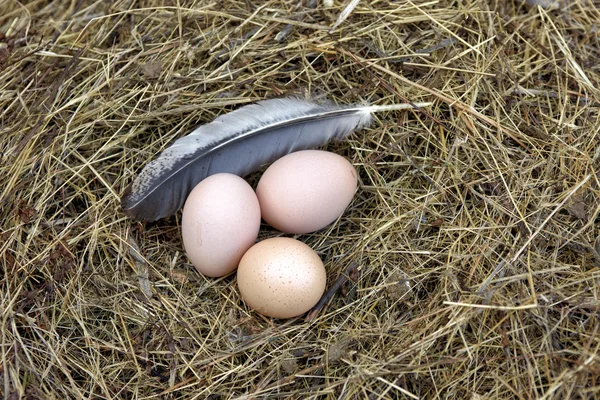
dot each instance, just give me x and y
(239, 142)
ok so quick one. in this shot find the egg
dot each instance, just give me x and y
(221, 219)
(305, 191)
(281, 277)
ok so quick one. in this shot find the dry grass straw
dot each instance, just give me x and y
(474, 226)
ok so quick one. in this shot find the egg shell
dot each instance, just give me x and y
(221, 220)
(281, 277)
(305, 191)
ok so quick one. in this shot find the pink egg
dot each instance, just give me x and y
(221, 219)
(306, 191)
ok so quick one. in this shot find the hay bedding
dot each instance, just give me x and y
(474, 228)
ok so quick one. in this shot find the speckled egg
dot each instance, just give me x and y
(281, 277)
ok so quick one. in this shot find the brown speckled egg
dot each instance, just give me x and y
(306, 191)
(281, 277)
(220, 221)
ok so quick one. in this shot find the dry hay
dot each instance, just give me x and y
(474, 227)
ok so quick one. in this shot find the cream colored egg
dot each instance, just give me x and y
(281, 277)
(306, 191)
(220, 221)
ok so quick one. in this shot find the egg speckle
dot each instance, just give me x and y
(220, 221)
(306, 191)
(281, 277)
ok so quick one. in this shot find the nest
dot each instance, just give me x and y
(472, 237)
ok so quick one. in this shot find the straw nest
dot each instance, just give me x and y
(473, 230)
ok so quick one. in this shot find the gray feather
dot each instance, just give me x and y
(239, 142)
